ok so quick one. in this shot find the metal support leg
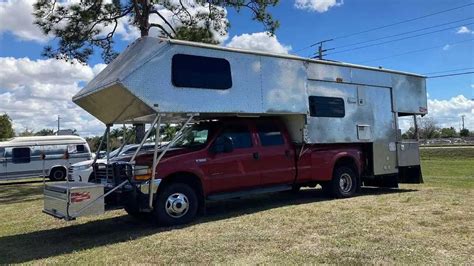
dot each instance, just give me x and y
(107, 151)
(143, 140)
(155, 162)
(155, 155)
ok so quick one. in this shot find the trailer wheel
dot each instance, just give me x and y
(176, 204)
(344, 183)
(57, 174)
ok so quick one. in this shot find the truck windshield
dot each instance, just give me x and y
(195, 137)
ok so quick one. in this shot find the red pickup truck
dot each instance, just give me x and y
(232, 157)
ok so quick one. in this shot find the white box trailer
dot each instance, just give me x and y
(175, 78)
(321, 102)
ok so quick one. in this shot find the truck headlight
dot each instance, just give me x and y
(142, 172)
(81, 167)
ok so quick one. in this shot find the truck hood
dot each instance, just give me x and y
(146, 158)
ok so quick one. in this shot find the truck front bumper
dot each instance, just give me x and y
(144, 188)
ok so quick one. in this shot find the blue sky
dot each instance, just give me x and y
(309, 22)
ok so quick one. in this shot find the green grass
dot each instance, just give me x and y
(430, 223)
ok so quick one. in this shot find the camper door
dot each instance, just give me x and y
(3, 163)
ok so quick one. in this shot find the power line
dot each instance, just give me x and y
(395, 40)
(414, 51)
(392, 24)
(447, 71)
(403, 33)
(451, 75)
(403, 21)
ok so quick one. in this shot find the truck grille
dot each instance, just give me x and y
(113, 174)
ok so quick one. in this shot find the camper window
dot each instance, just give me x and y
(326, 106)
(201, 72)
(21, 155)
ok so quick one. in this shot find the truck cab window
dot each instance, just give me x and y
(21, 155)
(239, 134)
(270, 134)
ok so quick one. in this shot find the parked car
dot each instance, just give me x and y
(25, 157)
(81, 172)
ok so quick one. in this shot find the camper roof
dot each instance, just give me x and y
(42, 140)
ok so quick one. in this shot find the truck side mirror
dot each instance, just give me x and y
(222, 144)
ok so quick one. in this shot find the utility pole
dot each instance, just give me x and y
(462, 117)
(321, 50)
(59, 119)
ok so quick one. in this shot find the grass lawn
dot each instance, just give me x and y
(432, 223)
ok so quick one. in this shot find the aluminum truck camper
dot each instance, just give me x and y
(254, 122)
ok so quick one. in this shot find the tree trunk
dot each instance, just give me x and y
(144, 22)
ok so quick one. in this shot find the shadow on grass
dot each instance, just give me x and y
(53, 242)
(12, 194)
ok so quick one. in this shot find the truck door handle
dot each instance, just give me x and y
(287, 153)
(256, 156)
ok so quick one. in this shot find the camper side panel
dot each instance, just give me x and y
(153, 84)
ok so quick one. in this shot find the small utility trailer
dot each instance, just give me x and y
(336, 124)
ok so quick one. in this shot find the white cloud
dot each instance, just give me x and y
(464, 30)
(317, 5)
(16, 17)
(260, 41)
(448, 112)
(34, 92)
(446, 47)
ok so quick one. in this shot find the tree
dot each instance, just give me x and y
(6, 128)
(45, 132)
(448, 132)
(27, 133)
(428, 128)
(409, 134)
(82, 26)
(464, 132)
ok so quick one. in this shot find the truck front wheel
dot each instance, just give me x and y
(176, 204)
(344, 183)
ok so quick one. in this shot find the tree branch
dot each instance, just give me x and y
(161, 28)
(163, 18)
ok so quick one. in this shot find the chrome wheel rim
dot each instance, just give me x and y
(177, 205)
(345, 183)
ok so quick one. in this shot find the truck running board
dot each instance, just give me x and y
(242, 193)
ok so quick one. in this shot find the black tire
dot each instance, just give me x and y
(344, 184)
(177, 197)
(57, 174)
(135, 213)
(132, 207)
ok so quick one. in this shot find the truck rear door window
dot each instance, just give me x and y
(201, 72)
(21, 155)
(326, 106)
(270, 134)
(239, 134)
